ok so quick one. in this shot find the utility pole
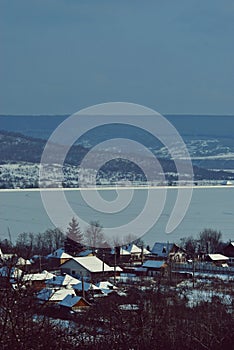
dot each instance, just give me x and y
(115, 268)
(193, 270)
(83, 289)
(103, 264)
(142, 254)
(9, 234)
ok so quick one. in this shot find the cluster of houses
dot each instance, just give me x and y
(74, 282)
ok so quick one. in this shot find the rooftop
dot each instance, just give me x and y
(93, 264)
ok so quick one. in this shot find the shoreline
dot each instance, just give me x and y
(111, 188)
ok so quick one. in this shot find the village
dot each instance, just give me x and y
(92, 292)
(74, 281)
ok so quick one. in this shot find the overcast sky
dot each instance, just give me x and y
(58, 56)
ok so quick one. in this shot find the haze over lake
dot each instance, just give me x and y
(210, 207)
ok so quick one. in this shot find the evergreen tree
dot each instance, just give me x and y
(74, 238)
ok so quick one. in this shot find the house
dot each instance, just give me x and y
(89, 267)
(53, 296)
(7, 257)
(88, 290)
(24, 264)
(218, 259)
(135, 251)
(62, 281)
(164, 251)
(58, 257)
(106, 287)
(229, 252)
(37, 280)
(154, 267)
(73, 302)
(13, 273)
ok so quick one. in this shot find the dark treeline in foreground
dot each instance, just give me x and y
(151, 318)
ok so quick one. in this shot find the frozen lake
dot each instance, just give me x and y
(210, 207)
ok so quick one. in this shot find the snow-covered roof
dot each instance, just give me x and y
(217, 257)
(162, 249)
(8, 256)
(122, 251)
(49, 294)
(106, 285)
(153, 264)
(60, 254)
(14, 272)
(43, 276)
(93, 264)
(87, 286)
(146, 251)
(63, 280)
(133, 249)
(70, 300)
(21, 261)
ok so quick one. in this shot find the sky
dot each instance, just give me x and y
(58, 56)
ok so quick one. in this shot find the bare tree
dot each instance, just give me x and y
(190, 245)
(94, 235)
(210, 240)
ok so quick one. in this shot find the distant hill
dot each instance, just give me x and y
(17, 148)
(209, 138)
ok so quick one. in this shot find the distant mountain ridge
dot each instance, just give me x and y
(209, 140)
(16, 148)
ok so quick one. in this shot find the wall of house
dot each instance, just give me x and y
(73, 268)
(81, 303)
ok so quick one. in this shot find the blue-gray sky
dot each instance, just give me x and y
(57, 56)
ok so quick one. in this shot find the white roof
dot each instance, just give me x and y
(105, 285)
(60, 254)
(22, 261)
(48, 294)
(70, 300)
(87, 286)
(217, 257)
(146, 251)
(93, 264)
(63, 280)
(44, 275)
(133, 248)
(124, 251)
